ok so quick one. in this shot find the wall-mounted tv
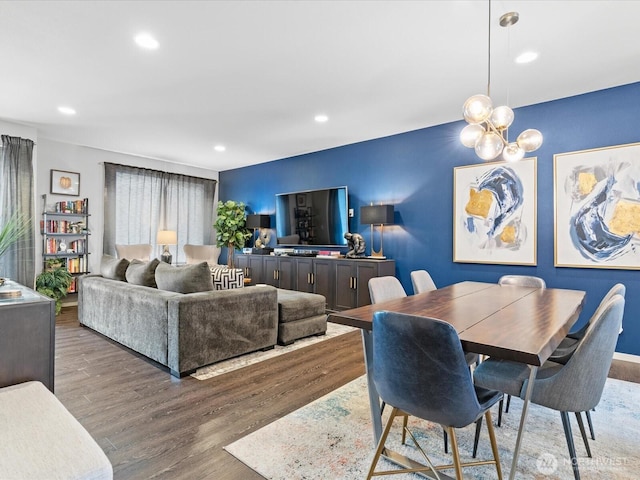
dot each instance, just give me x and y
(312, 217)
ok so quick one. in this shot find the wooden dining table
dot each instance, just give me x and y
(521, 324)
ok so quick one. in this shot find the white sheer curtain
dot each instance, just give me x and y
(16, 196)
(139, 202)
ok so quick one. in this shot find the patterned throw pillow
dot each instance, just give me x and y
(142, 273)
(225, 278)
(113, 268)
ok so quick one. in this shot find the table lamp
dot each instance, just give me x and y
(376, 215)
(256, 221)
(166, 238)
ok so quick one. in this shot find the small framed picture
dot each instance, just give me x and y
(65, 183)
(301, 200)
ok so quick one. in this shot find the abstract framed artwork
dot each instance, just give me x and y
(495, 213)
(65, 183)
(597, 208)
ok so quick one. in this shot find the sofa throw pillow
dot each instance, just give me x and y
(113, 268)
(184, 278)
(226, 278)
(142, 273)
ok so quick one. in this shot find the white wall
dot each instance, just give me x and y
(88, 162)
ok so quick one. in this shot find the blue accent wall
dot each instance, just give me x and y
(414, 171)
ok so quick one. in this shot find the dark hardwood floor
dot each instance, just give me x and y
(152, 425)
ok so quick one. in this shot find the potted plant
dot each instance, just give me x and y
(54, 283)
(16, 227)
(231, 231)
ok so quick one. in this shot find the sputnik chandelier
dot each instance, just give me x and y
(488, 127)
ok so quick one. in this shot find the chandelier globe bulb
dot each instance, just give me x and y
(530, 140)
(470, 135)
(477, 109)
(489, 146)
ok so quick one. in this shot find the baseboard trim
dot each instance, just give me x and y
(625, 367)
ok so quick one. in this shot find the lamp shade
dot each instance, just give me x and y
(376, 215)
(258, 221)
(167, 237)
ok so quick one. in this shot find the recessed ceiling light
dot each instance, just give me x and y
(321, 118)
(219, 148)
(66, 110)
(145, 40)
(526, 57)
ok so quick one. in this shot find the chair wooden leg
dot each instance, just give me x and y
(381, 442)
(405, 422)
(456, 453)
(494, 444)
(476, 438)
(593, 434)
(583, 433)
(572, 449)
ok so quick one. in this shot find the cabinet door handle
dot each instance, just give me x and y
(351, 282)
(355, 283)
(313, 278)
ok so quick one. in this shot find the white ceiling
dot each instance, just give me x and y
(252, 74)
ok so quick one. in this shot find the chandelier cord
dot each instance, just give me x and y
(489, 55)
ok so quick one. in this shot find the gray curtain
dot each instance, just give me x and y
(16, 195)
(140, 201)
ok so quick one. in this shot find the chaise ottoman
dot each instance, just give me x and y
(41, 439)
(300, 315)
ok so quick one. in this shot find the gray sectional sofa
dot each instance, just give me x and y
(182, 331)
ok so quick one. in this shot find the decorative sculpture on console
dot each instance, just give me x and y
(356, 245)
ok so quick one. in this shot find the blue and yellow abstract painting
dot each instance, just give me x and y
(598, 208)
(495, 213)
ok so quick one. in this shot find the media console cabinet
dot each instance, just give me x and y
(344, 282)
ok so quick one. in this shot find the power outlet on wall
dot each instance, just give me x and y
(351, 213)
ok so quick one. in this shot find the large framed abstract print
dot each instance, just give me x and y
(597, 208)
(495, 213)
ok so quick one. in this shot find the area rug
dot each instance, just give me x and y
(331, 438)
(333, 330)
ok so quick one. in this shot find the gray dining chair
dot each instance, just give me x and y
(386, 288)
(568, 345)
(574, 387)
(518, 281)
(419, 368)
(522, 281)
(422, 281)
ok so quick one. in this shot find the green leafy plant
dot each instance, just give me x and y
(16, 227)
(231, 231)
(54, 284)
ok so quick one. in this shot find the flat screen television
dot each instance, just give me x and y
(312, 217)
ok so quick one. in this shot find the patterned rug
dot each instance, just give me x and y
(331, 438)
(333, 330)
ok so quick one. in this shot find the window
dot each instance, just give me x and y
(139, 202)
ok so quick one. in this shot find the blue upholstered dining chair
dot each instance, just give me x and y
(574, 387)
(419, 368)
(422, 281)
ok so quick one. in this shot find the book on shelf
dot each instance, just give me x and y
(72, 206)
